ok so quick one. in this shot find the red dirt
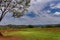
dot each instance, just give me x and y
(8, 30)
(10, 38)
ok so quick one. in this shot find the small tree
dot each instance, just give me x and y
(18, 7)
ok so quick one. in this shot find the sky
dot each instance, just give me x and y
(40, 12)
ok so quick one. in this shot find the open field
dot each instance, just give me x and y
(31, 34)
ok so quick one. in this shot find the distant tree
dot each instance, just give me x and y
(30, 26)
(18, 7)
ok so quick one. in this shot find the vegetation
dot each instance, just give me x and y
(17, 7)
(31, 32)
(28, 26)
(35, 33)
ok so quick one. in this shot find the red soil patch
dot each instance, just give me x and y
(7, 37)
(8, 30)
(10, 38)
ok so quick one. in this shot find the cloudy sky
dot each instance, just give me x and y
(40, 12)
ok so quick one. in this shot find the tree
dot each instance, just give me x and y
(18, 7)
(30, 26)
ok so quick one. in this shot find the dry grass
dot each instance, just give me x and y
(32, 34)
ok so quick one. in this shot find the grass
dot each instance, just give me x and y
(35, 34)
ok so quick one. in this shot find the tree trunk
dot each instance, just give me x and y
(0, 19)
(1, 34)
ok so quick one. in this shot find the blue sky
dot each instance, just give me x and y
(40, 12)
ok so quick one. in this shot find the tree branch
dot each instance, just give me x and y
(3, 12)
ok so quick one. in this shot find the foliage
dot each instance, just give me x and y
(18, 7)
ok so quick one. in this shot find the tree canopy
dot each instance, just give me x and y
(18, 7)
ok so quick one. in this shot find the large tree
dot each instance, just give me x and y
(18, 7)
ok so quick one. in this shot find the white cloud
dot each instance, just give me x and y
(57, 13)
(56, 6)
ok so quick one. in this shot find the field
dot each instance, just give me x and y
(31, 34)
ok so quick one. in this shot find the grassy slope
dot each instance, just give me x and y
(35, 34)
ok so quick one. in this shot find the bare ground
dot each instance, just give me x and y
(9, 38)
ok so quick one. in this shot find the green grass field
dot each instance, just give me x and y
(36, 34)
